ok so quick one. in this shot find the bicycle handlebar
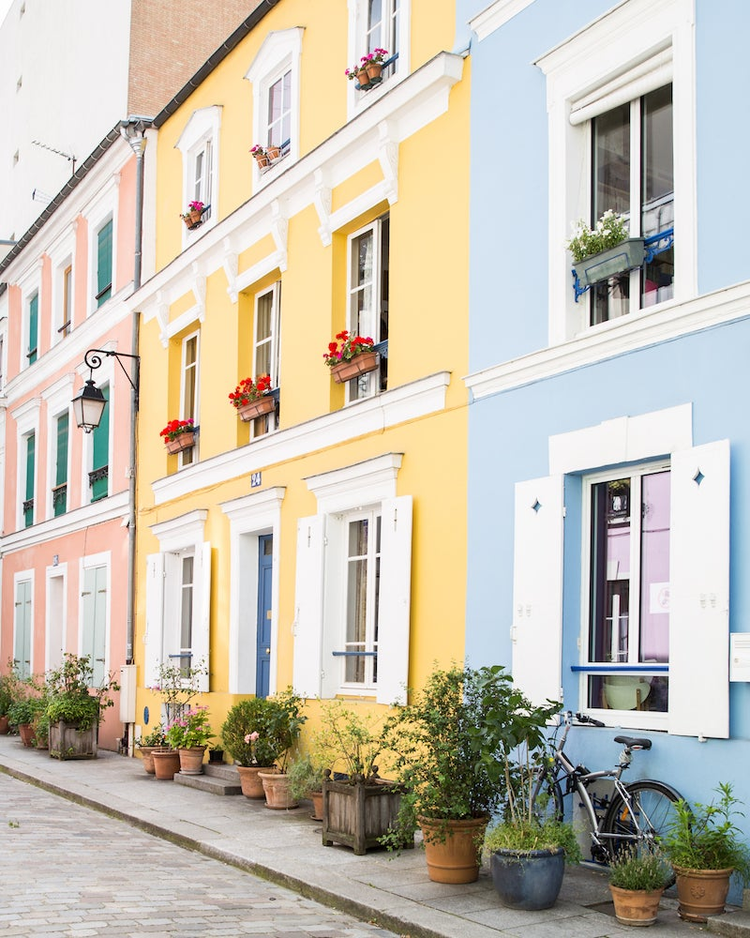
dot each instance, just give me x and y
(582, 718)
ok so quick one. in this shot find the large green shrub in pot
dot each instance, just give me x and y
(71, 695)
(261, 731)
(705, 836)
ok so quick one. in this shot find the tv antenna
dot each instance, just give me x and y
(67, 156)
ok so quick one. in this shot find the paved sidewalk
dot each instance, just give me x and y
(285, 847)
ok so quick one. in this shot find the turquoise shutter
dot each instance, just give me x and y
(104, 264)
(100, 461)
(33, 327)
(60, 495)
(94, 601)
(28, 511)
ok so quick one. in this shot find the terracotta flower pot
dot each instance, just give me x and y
(147, 755)
(251, 784)
(635, 906)
(317, 801)
(373, 72)
(191, 760)
(166, 764)
(26, 732)
(454, 858)
(4, 725)
(363, 79)
(359, 365)
(701, 892)
(273, 153)
(181, 442)
(192, 219)
(261, 160)
(276, 789)
(257, 408)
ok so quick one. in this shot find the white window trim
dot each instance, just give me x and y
(638, 46)
(280, 51)
(204, 126)
(62, 257)
(101, 214)
(58, 398)
(197, 336)
(496, 15)
(29, 284)
(21, 577)
(357, 101)
(373, 379)
(250, 517)
(103, 559)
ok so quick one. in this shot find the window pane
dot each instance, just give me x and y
(657, 211)
(610, 569)
(611, 141)
(629, 692)
(186, 611)
(654, 638)
(356, 600)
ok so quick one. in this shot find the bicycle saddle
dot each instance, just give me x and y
(634, 742)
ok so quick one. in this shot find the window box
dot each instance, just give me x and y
(361, 364)
(182, 442)
(253, 409)
(625, 256)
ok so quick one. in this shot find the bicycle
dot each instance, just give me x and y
(639, 813)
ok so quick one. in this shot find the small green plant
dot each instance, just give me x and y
(155, 738)
(645, 870)
(609, 231)
(528, 835)
(14, 824)
(178, 685)
(348, 741)
(705, 836)
(304, 777)
(262, 731)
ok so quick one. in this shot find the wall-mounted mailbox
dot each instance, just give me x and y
(739, 656)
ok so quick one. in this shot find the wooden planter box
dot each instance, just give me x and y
(358, 815)
(68, 742)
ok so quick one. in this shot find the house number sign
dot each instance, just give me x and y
(256, 479)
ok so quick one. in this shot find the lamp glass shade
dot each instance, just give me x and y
(88, 407)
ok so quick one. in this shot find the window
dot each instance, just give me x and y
(99, 474)
(353, 585)
(103, 263)
(633, 175)
(199, 146)
(60, 488)
(64, 313)
(189, 390)
(29, 479)
(362, 600)
(178, 597)
(629, 592)
(380, 24)
(94, 615)
(640, 634)
(266, 349)
(368, 300)
(33, 328)
(23, 625)
(274, 74)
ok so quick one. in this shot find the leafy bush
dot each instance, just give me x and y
(155, 738)
(348, 741)
(25, 711)
(304, 777)
(704, 837)
(69, 698)
(262, 730)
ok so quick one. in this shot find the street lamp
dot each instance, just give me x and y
(89, 405)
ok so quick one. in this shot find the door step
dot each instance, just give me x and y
(217, 779)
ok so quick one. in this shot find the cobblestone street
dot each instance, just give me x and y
(68, 871)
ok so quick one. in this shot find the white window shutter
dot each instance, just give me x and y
(308, 619)
(154, 637)
(699, 592)
(536, 630)
(201, 644)
(395, 599)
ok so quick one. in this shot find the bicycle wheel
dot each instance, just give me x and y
(548, 799)
(644, 821)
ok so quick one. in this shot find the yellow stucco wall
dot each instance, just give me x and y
(428, 334)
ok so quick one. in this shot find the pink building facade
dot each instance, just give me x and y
(66, 501)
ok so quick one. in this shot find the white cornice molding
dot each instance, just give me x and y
(372, 415)
(374, 134)
(617, 337)
(258, 508)
(114, 508)
(496, 15)
(182, 531)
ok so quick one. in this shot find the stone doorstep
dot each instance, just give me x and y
(731, 923)
(216, 779)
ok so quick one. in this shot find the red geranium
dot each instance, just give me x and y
(346, 348)
(176, 428)
(248, 390)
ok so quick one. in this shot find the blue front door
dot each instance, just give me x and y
(263, 630)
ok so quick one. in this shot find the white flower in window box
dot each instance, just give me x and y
(605, 250)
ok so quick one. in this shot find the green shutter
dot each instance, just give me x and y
(104, 264)
(60, 495)
(100, 461)
(33, 327)
(28, 514)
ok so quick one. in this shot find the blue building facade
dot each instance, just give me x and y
(609, 446)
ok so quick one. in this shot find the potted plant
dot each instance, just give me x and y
(190, 735)
(258, 734)
(178, 685)
(216, 755)
(706, 846)
(6, 699)
(75, 707)
(148, 744)
(306, 781)
(178, 435)
(193, 217)
(448, 757)
(373, 63)
(637, 880)
(359, 808)
(350, 356)
(253, 398)
(21, 714)
(605, 250)
(260, 155)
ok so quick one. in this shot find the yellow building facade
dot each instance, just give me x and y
(322, 545)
